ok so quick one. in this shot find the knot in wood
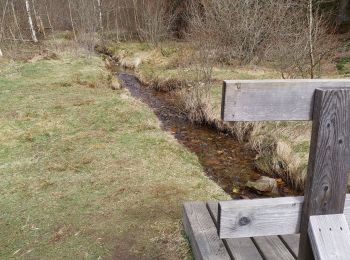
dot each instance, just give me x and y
(244, 221)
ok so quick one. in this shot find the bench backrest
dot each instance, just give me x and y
(272, 100)
(327, 104)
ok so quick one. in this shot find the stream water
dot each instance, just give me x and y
(225, 160)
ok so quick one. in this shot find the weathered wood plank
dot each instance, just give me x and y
(202, 232)
(263, 217)
(259, 217)
(292, 242)
(329, 160)
(330, 237)
(269, 100)
(239, 248)
(272, 248)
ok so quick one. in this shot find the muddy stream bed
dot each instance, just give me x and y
(224, 160)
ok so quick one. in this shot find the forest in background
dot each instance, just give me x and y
(296, 34)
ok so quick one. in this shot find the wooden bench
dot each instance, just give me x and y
(314, 226)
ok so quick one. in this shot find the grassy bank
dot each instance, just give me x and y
(282, 147)
(86, 172)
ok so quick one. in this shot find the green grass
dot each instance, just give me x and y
(87, 172)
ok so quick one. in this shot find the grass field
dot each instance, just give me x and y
(87, 172)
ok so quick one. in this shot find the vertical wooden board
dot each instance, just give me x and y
(239, 248)
(202, 232)
(270, 100)
(330, 237)
(328, 169)
(292, 243)
(272, 248)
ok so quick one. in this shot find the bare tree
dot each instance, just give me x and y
(16, 21)
(2, 29)
(30, 21)
(250, 31)
(48, 18)
(72, 21)
(311, 39)
(99, 2)
(152, 20)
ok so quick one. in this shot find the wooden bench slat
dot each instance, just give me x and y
(271, 100)
(272, 248)
(260, 217)
(240, 248)
(245, 248)
(263, 217)
(292, 242)
(202, 232)
(329, 237)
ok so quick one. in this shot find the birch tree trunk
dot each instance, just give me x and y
(38, 20)
(117, 8)
(99, 3)
(35, 16)
(71, 20)
(30, 21)
(1, 54)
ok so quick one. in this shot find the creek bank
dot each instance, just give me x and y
(225, 160)
(169, 69)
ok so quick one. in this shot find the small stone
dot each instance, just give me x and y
(115, 85)
(264, 184)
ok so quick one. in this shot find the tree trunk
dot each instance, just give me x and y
(71, 20)
(117, 9)
(49, 20)
(2, 29)
(99, 2)
(30, 21)
(38, 20)
(16, 21)
(311, 39)
(343, 16)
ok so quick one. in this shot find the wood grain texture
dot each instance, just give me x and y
(270, 100)
(292, 243)
(326, 181)
(330, 237)
(272, 248)
(264, 217)
(239, 248)
(202, 232)
(259, 217)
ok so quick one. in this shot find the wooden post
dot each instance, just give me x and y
(329, 160)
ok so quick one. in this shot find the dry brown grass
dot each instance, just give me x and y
(282, 148)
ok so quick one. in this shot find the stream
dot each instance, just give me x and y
(224, 160)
